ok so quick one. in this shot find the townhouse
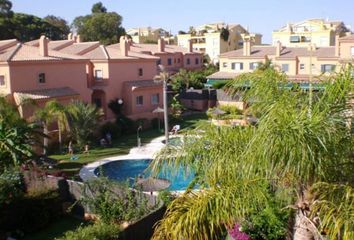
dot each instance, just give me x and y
(70, 69)
(147, 34)
(297, 62)
(216, 38)
(318, 31)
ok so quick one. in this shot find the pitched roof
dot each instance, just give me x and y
(80, 48)
(44, 93)
(223, 75)
(286, 52)
(142, 84)
(114, 52)
(7, 43)
(347, 38)
(24, 52)
(153, 48)
(53, 45)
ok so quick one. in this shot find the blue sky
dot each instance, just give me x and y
(262, 16)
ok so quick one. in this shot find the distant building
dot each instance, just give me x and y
(147, 34)
(318, 31)
(216, 38)
(293, 61)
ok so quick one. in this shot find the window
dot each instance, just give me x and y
(224, 64)
(41, 78)
(197, 61)
(327, 68)
(2, 80)
(294, 39)
(302, 66)
(158, 62)
(141, 72)
(188, 61)
(285, 67)
(178, 60)
(175, 60)
(139, 100)
(237, 66)
(253, 65)
(98, 75)
(169, 61)
(352, 50)
(155, 99)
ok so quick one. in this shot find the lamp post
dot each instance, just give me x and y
(164, 77)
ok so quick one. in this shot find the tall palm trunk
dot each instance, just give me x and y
(59, 137)
(45, 138)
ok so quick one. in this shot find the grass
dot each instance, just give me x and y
(120, 146)
(56, 229)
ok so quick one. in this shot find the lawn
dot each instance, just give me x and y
(121, 146)
(56, 229)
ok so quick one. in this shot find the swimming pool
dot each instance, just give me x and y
(123, 170)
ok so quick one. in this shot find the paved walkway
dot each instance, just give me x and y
(144, 152)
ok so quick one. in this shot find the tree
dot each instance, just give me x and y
(100, 26)
(82, 120)
(58, 28)
(28, 27)
(98, 8)
(5, 9)
(299, 155)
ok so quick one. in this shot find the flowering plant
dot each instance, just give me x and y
(237, 234)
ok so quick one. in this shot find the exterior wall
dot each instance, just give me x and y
(134, 111)
(292, 66)
(192, 61)
(24, 76)
(122, 71)
(347, 50)
(320, 39)
(5, 71)
(225, 64)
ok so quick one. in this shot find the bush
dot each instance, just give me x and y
(99, 231)
(113, 128)
(166, 197)
(126, 124)
(12, 186)
(114, 202)
(220, 84)
(30, 213)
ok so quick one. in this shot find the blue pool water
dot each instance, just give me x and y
(124, 170)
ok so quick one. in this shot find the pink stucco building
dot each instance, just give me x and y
(70, 69)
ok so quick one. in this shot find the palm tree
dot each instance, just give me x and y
(82, 120)
(288, 153)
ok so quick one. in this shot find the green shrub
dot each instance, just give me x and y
(268, 224)
(12, 186)
(166, 197)
(229, 109)
(114, 202)
(31, 213)
(220, 84)
(113, 128)
(99, 231)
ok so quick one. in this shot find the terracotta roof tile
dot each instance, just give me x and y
(142, 83)
(7, 43)
(80, 48)
(223, 75)
(23, 52)
(286, 52)
(45, 93)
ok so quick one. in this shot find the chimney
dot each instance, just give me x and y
(190, 46)
(43, 46)
(161, 45)
(70, 36)
(278, 49)
(123, 46)
(246, 47)
(337, 47)
(78, 39)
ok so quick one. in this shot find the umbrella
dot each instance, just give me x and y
(152, 184)
(218, 111)
(158, 110)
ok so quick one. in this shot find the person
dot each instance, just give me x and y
(70, 148)
(86, 148)
(175, 129)
(103, 142)
(109, 138)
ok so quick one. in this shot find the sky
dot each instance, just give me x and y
(260, 16)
